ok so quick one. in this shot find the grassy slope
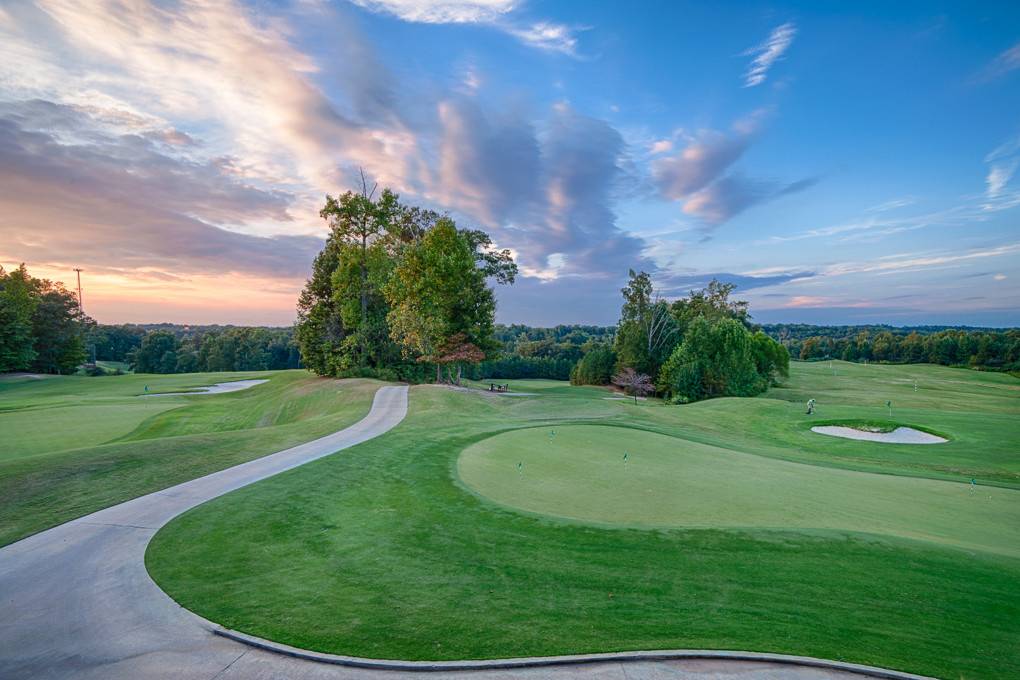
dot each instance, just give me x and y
(73, 445)
(381, 552)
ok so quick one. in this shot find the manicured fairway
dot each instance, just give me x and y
(579, 473)
(387, 551)
(71, 445)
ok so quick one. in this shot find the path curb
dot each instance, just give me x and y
(539, 661)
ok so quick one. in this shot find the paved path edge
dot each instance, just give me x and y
(539, 661)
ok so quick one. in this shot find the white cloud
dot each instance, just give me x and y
(547, 36)
(442, 11)
(999, 277)
(661, 146)
(543, 35)
(768, 53)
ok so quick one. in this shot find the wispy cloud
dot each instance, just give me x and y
(1003, 162)
(442, 11)
(911, 262)
(679, 284)
(875, 224)
(1006, 62)
(768, 53)
(543, 35)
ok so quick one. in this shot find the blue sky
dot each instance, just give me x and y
(840, 162)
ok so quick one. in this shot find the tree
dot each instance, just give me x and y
(634, 383)
(17, 306)
(595, 367)
(57, 329)
(358, 219)
(156, 354)
(771, 359)
(436, 293)
(712, 303)
(646, 331)
(319, 330)
(457, 351)
(112, 343)
(715, 359)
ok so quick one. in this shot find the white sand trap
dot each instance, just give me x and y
(901, 435)
(218, 388)
(624, 398)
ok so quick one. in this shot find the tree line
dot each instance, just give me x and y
(231, 349)
(42, 327)
(986, 349)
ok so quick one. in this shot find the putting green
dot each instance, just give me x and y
(579, 473)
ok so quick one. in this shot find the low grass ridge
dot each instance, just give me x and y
(112, 445)
(379, 551)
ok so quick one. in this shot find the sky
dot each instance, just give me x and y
(840, 162)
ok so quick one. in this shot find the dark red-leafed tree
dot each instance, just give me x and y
(457, 351)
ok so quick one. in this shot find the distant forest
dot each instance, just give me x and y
(532, 352)
(983, 348)
(42, 330)
(173, 348)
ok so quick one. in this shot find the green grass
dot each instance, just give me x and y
(579, 473)
(72, 445)
(384, 551)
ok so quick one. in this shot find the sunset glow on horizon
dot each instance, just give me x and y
(178, 153)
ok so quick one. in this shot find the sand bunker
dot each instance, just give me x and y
(901, 435)
(218, 388)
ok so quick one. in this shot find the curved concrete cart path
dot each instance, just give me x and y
(77, 602)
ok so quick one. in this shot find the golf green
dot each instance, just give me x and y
(629, 477)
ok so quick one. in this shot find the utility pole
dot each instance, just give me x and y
(80, 309)
(81, 316)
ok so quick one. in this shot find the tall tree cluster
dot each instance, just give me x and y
(398, 288)
(42, 328)
(697, 347)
